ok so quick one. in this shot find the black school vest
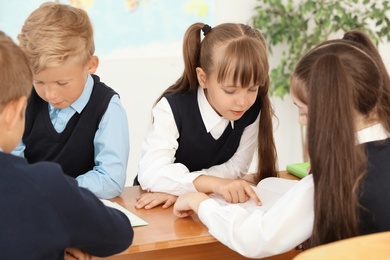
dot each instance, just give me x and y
(198, 149)
(375, 199)
(73, 149)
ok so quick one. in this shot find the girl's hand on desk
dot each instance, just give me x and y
(188, 204)
(150, 200)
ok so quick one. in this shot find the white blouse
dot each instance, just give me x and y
(283, 221)
(157, 171)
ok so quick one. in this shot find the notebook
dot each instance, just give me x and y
(298, 169)
(134, 219)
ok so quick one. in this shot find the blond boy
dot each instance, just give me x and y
(72, 118)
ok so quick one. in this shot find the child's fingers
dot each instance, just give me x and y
(141, 203)
(155, 199)
(252, 194)
(74, 253)
(228, 196)
(144, 200)
(242, 196)
(237, 196)
(183, 214)
(152, 204)
(161, 199)
(170, 201)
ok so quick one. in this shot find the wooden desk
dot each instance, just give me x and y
(373, 246)
(169, 237)
(287, 175)
(282, 174)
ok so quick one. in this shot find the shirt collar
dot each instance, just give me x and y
(372, 133)
(82, 101)
(208, 114)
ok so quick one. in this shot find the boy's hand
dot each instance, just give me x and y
(235, 191)
(152, 199)
(188, 204)
(76, 254)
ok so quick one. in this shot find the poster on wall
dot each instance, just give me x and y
(124, 28)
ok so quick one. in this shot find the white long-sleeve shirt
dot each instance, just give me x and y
(283, 221)
(157, 171)
(277, 226)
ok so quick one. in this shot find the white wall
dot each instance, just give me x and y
(140, 81)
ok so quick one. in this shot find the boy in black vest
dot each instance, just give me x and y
(43, 211)
(72, 118)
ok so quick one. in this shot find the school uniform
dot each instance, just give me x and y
(188, 138)
(89, 139)
(261, 231)
(43, 211)
(375, 213)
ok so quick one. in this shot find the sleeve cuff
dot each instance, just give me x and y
(205, 208)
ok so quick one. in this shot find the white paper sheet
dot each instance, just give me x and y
(134, 219)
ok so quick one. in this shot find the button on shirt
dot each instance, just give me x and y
(157, 170)
(107, 179)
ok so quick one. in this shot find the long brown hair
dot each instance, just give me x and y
(245, 57)
(339, 80)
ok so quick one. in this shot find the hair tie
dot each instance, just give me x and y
(206, 28)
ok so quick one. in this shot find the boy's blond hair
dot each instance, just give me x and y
(15, 73)
(56, 33)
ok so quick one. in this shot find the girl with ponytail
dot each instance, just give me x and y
(207, 126)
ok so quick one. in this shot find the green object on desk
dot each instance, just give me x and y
(298, 169)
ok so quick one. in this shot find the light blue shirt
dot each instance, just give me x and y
(108, 177)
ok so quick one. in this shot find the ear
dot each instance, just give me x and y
(92, 65)
(13, 112)
(202, 77)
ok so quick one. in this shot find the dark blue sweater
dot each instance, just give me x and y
(197, 148)
(375, 199)
(74, 148)
(44, 211)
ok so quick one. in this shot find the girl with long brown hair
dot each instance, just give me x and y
(207, 125)
(345, 88)
(341, 88)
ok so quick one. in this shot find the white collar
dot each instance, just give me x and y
(208, 114)
(372, 133)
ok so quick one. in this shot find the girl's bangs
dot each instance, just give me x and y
(244, 64)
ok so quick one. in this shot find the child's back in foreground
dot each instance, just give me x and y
(43, 210)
